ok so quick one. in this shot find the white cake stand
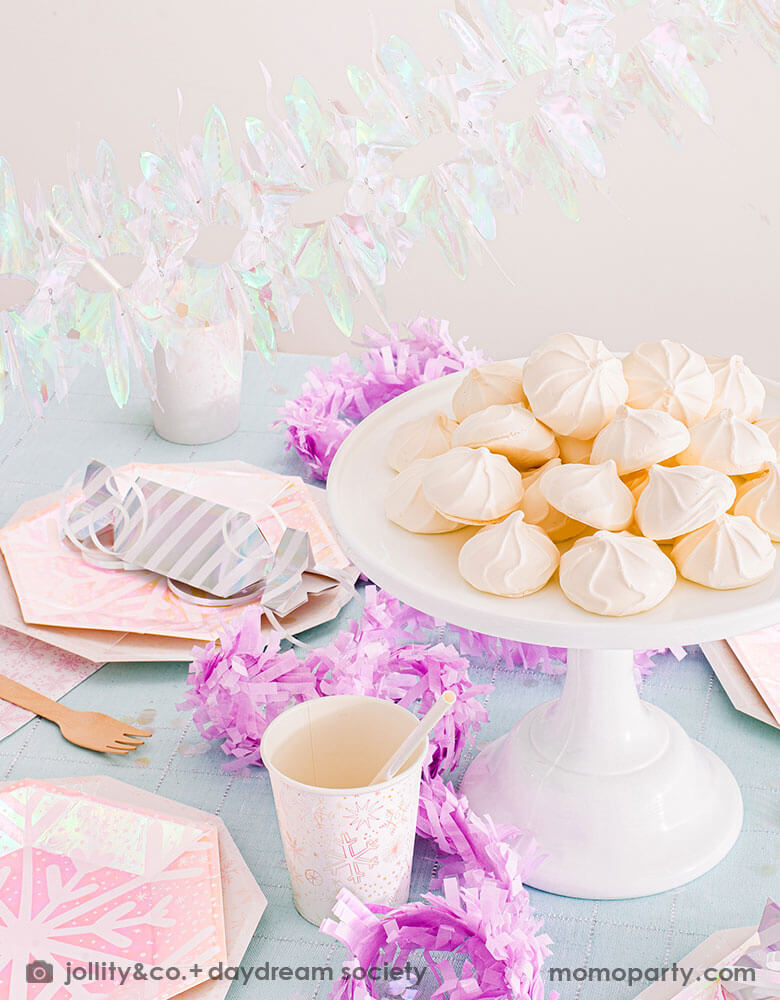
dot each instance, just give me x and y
(622, 801)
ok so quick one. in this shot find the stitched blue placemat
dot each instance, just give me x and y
(651, 932)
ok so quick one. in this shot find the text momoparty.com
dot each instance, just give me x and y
(634, 974)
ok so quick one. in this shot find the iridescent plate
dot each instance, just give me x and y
(244, 901)
(87, 880)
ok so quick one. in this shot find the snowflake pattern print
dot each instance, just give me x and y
(353, 861)
(86, 880)
(368, 813)
(334, 839)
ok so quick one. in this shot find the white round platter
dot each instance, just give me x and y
(422, 569)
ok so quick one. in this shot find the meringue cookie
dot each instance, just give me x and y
(537, 511)
(771, 427)
(616, 573)
(407, 507)
(728, 444)
(736, 388)
(574, 450)
(500, 382)
(591, 494)
(665, 375)
(680, 499)
(636, 482)
(759, 499)
(509, 559)
(425, 437)
(574, 385)
(637, 439)
(510, 430)
(472, 485)
(730, 552)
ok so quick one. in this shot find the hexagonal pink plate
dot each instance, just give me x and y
(243, 899)
(56, 587)
(86, 880)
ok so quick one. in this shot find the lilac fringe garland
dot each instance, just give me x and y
(238, 685)
(483, 914)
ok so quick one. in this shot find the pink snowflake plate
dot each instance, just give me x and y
(243, 900)
(90, 884)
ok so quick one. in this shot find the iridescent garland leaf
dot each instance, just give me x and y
(568, 60)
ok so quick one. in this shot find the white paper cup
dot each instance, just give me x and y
(338, 831)
(199, 396)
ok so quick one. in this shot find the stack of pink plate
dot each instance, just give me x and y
(48, 591)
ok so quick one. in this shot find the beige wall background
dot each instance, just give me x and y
(685, 245)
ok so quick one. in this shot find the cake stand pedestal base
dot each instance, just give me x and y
(621, 800)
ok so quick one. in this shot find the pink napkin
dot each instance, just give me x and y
(46, 668)
(759, 653)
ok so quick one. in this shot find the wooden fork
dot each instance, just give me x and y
(91, 730)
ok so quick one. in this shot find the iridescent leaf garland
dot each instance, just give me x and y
(567, 57)
(402, 109)
(31, 360)
(305, 152)
(585, 83)
(95, 220)
(585, 88)
(240, 683)
(205, 185)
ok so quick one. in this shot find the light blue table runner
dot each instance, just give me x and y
(646, 933)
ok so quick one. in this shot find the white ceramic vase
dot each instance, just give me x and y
(199, 395)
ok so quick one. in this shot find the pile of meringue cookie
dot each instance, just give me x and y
(618, 473)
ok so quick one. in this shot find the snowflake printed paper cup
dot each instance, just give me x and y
(338, 830)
